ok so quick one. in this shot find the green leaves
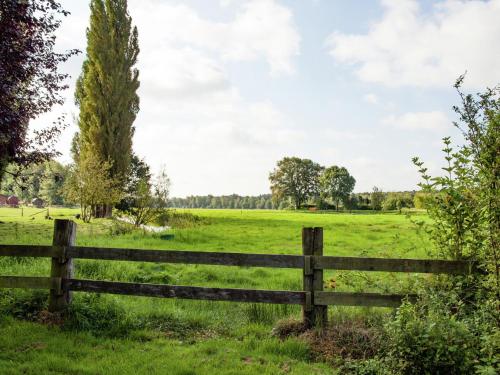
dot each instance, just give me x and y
(106, 91)
(296, 178)
(337, 184)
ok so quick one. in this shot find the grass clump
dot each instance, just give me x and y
(23, 304)
(176, 219)
(100, 316)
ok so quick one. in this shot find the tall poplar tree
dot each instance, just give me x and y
(106, 90)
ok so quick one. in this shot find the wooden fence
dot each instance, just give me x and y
(313, 299)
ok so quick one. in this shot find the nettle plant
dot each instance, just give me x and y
(464, 203)
(452, 203)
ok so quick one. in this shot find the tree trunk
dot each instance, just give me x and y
(100, 211)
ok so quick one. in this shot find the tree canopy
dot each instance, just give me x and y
(296, 178)
(337, 184)
(106, 91)
(30, 79)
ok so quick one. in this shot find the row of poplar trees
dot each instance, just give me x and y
(106, 94)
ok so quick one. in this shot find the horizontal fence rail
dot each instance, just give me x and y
(360, 299)
(31, 251)
(312, 262)
(27, 282)
(455, 267)
(188, 257)
(202, 293)
(243, 259)
(187, 292)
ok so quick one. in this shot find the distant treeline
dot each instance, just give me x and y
(234, 201)
(46, 181)
(376, 200)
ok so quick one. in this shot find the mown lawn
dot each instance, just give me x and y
(116, 334)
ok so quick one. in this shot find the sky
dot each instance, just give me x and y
(229, 87)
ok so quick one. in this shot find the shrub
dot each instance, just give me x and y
(397, 201)
(118, 228)
(419, 200)
(372, 366)
(425, 338)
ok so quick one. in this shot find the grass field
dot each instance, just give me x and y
(114, 334)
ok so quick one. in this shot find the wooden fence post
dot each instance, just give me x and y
(62, 267)
(312, 244)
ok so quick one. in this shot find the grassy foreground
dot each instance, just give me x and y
(116, 334)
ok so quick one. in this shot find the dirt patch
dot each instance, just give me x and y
(349, 340)
(50, 319)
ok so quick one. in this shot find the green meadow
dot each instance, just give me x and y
(106, 334)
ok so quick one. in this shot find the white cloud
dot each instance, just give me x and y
(410, 47)
(370, 98)
(220, 144)
(261, 29)
(434, 120)
(345, 135)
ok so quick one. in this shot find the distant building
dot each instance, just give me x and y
(3, 200)
(13, 201)
(37, 202)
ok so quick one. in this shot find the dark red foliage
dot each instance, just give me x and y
(30, 83)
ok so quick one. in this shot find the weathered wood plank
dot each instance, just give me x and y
(188, 257)
(27, 282)
(185, 292)
(308, 276)
(358, 299)
(320, 312)
(241, 259)
(62, 266)
(30, 251)
(312, 245)
(394, 265)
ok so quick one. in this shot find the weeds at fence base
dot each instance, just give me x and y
(354, 339)
(50, 319)
(348, 340)
(289, 328)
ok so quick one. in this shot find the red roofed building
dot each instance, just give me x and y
(13, 201)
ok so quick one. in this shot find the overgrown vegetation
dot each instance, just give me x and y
(454, 327)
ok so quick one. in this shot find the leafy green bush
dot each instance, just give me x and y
(484, 322)
(429, 340)
(397, 201)
(457, 330)
(372, 366)
(419, 200)
(118, 228)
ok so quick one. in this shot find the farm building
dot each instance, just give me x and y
(37, 202)
(3, 200)
(13, 201)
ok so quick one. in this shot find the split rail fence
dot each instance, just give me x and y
(313, 299)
